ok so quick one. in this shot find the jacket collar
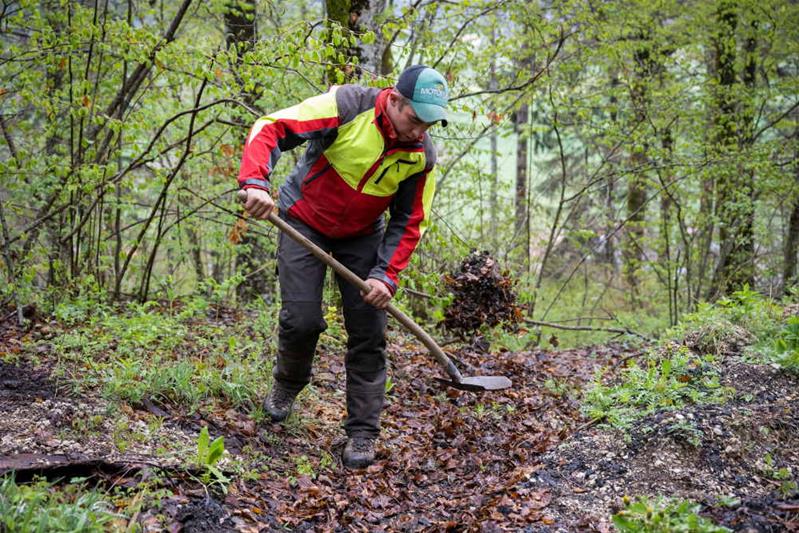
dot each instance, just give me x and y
(381, 118)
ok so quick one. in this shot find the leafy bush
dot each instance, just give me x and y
(663, 516)
(745, 317)
(41, 507)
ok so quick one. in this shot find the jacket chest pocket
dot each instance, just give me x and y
(387, 177)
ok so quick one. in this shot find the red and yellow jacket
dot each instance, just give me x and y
(353, 170)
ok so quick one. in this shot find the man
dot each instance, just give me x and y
(367, 152)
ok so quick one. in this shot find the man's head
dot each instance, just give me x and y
(418, 100)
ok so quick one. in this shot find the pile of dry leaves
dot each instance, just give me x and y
(482, 296)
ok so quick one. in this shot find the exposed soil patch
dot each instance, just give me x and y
(701, 453)
(21, 383)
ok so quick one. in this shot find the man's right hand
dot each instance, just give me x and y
(259, 203)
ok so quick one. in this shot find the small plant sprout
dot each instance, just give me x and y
(208, 455)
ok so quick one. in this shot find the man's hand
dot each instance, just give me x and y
(378, 295)
(259, 203)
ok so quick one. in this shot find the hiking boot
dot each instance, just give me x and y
(278, 403)
(359, 452)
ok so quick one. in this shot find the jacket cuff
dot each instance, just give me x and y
(392, 287)
(254, 183)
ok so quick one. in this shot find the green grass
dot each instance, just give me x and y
(683, 368)
(40, 506)
(182, 358)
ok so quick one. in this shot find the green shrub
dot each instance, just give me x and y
(663, 516)
(743, 318)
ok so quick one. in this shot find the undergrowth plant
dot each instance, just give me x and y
(40, 506)
(683, 369)
(786, 345)
(757, 317)
(208, 456)
(663, 515)
(669, 379)
(173, 356)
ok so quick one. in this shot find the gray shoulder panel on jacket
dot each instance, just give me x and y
(430, 154)
(353, 100)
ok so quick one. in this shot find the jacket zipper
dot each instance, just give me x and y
(382, 174)
(312, 178)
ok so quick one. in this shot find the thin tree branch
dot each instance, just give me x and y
(554, 325)
(561, 40)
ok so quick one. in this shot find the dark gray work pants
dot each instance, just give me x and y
(301, 321)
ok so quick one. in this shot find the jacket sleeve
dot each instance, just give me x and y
(410, 214)
(273, 134)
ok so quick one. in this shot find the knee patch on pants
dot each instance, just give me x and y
(301, 323)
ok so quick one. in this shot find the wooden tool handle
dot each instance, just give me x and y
(348, 275)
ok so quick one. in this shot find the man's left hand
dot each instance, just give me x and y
(378, 295)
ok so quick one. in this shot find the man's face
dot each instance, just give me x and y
(408, 126)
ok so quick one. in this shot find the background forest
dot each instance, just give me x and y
(623, 160)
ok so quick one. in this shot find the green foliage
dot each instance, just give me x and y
(786, 345)
(670, 379)
(501, 337)
(41, 506)
(305, 466)
(208, 456)
(144, 353)
(663, 515)
(744, 316)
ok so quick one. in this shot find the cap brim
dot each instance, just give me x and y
(430, 112)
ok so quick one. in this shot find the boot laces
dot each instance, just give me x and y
(362, 444)
(281, 397)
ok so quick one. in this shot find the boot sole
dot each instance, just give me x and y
(354, 465)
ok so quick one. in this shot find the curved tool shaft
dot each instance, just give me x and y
(348, 275)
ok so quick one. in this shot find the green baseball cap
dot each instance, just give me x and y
(428, 92)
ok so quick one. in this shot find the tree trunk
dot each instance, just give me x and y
(609, 192)
(240, 32)
(522, 142)
(494, 167)
(664, 253)
(735, 186)
(636, 192)
(791, 244)
(347, 15)
(375, 58)
(792, 238)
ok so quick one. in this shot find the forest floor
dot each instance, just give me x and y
(519, 459)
